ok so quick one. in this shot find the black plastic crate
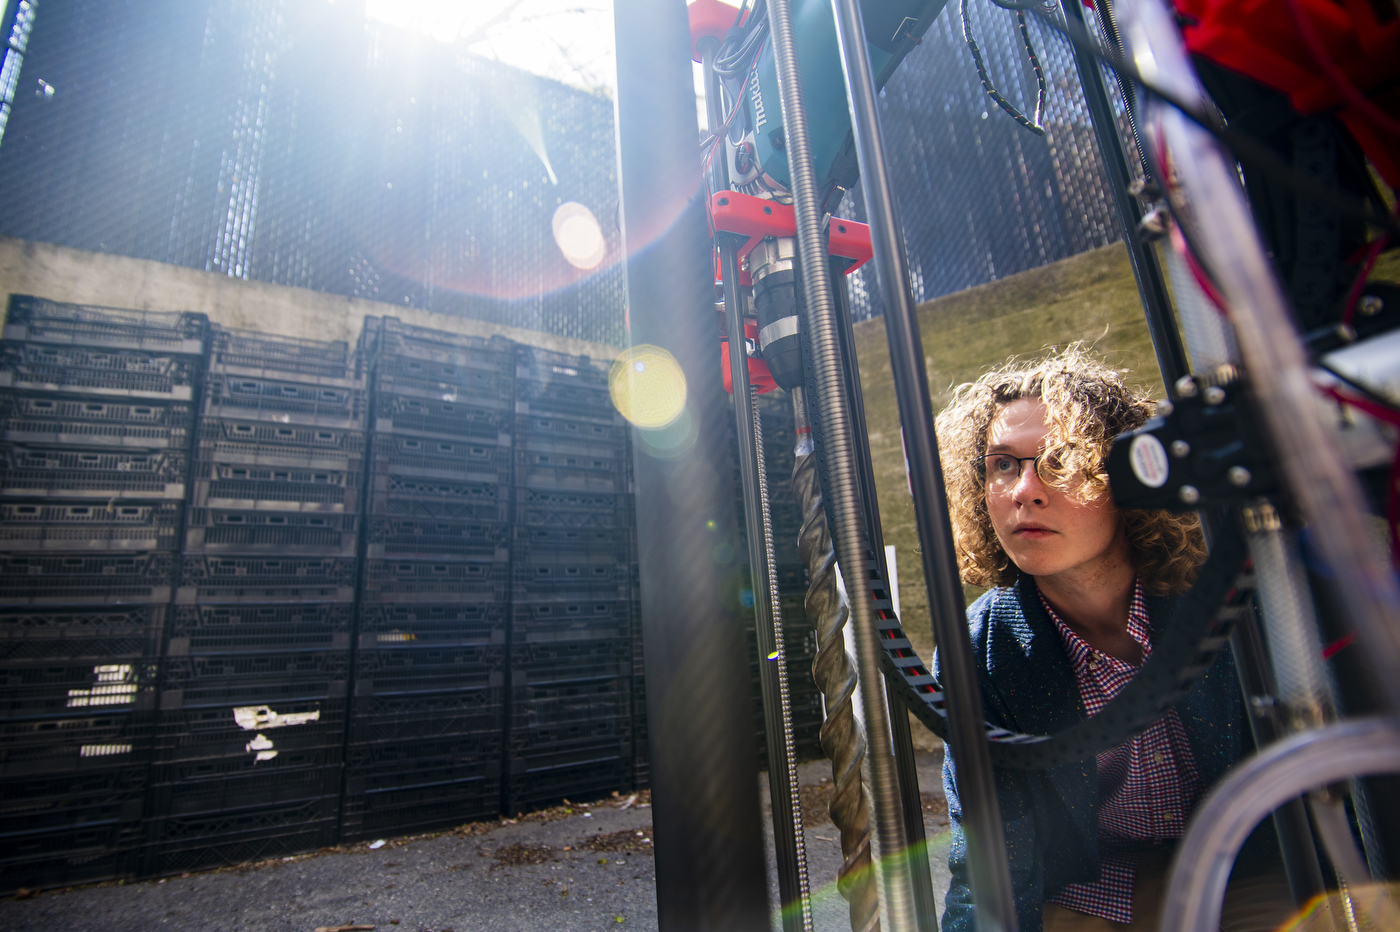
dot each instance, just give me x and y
(228, 578)
(392, 788)
(62, 472)
(208, 787)
(551, 739)
(253, 679)
(425, 497)
(435, 538)
(555, 394)
(224, 839)
(573, 545)
(40, 320)
(225, 629)
(572, 508)
(389, 336)
(56, 749)
(225, 440)
(548, 622)
(105, 373)
(571, 578)
(542, 427)
(443, 414)
(271, 399)
(459, 623)
(535, 786)
(308, 488)
(571, 471)
(436, 581)
(253, 531)
(43, 803)
(57, 579)
(404, 669)
(464, 461)
(570, 661)
(105, 845)
(578, 448)
(417, 716)
(30, 527)
(75, 688)
(233, 741)
(53, 419)
(98, 634)
(437, 803)
(535, 705)
(298, 358)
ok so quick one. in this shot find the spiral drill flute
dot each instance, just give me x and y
(842, 735)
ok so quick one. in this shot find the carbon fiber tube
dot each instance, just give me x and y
(845, 506)
(842, 737)
(989, 873)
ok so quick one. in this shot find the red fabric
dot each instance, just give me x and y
(1260, 39)
(1147, 785)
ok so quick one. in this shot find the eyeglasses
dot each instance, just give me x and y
(1001, 471)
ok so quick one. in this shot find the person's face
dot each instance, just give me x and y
(1043, 530)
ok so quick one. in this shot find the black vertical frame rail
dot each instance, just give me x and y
(1147, 271)
(906, 767)
(710, 871)
(988, 868)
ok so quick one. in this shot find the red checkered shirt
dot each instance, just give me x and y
(1147, 785)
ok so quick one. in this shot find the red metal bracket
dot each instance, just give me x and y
(732, 212)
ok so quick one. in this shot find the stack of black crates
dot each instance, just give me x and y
(97, 413)
(425, 743)
(252, 710)
(573, 644)
(799, 638)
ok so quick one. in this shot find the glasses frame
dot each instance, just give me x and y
(980, 465)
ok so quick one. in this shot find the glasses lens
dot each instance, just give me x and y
(1002, 470)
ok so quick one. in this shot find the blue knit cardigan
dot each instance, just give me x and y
(1050, 817)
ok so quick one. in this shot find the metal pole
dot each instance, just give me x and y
(1152, 286)
(845, 505)
(710, 874)
(905, 765)
(988, 870)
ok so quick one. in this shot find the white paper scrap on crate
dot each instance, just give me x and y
(892, 566)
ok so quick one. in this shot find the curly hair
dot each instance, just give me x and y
(1088, 405)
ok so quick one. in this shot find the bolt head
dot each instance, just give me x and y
(1186, 387)
(1214, 395)
(1370, 305)
(1189, 494)
(1239, 476)
(1165, 408)
(1181, 449)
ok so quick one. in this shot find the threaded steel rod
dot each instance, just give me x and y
(842, 486)
(842, 737)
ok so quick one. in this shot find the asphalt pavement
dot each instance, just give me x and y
(576, 868)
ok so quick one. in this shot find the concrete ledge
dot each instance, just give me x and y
(79, 277)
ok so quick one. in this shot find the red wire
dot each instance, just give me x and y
(1392, 511)
(1336, 75)
(1372, 254)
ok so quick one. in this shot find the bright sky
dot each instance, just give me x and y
(568, 40)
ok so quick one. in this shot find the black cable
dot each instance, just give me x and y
(1032, 125)
(1245, 147)
(1371, 394)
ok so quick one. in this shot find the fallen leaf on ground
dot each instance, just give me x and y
(626, 840)
(350, 928)
(522, 854)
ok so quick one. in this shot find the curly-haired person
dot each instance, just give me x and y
(1078, 591)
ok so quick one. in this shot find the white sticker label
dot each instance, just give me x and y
(1149, 459)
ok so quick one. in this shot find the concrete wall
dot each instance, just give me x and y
(62, 274)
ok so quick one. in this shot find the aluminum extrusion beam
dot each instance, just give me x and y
(710, 875)
(988, 870)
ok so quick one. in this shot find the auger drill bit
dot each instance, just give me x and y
(842, 735)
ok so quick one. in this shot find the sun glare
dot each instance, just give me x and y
(570, 41)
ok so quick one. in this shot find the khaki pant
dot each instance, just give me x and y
(1252, 904)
